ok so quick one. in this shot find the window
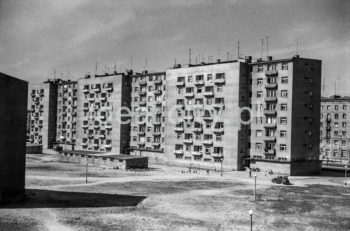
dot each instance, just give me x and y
(344, 107)
(284, 66)
(283, 147)
(284, 80)
(259, 120)
(283, 120)
(336, 116)
(259, 82)
(284, 93)
(260, 68)
(283, 134)
(259, 94)
(343, 124)
(219, 89)
(258, 146)
(218, 138)
(180, 79)
(336, 107)
(258, 133)
(328, 107)
(209, 77)
(190, 79)
(344, 116)
(283, 107)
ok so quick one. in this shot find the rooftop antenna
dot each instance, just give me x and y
(96, 69)
(267, 47)
(105, 68)
(323, 86)
(189, 56)
(228, 56)
(238, 50)
(262, 48)
(54, 74)
(297, 51)
(115, 66)
(335, 87)
(338, 83)
(219, 53)
(130, 62)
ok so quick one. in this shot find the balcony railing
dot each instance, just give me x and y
(188, 141)
(142, 92)
(180, 84)
(271, 85)
(197, 153)
(179, 106)
(270, 112)
(189, 94)
(85, 90)
(218, 130)
(270, 125)
(270, 99)
(143, 82)
(179, 152)
(208, 142)
(179, 129)
(157, 92)
(269, 152)
(270, 138)
(271, 72)
(199, 82)
(219, 105)
(198, 130)
(219, 81)
(208, 94)
(158, 81)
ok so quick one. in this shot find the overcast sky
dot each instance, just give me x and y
(70, 36)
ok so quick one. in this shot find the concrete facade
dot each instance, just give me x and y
(13, 111)
(285, 122)
(335, 129)
(67, 112)
(148, 109)
(99, 120)
(43, 105)
(203, 115)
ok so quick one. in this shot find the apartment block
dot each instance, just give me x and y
(43, 106)
(148, 110)
(101, 125)
(335, 129)
(67, 98)
(285, 118)
(203, 126)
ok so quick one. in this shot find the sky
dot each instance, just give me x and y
(38, 37)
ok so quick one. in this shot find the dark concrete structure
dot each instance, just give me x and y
(13, 114)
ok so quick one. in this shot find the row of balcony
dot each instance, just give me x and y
(97, 90)
(194, 153)
(199, 130)
(84, 144)
(201, 82)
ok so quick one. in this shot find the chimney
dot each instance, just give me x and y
(269, 58)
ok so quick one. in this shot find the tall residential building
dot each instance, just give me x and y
(67, 98)
(286, 115)
(43, 106)
(148, 110)
(203, 126)
(335, 129)
(100, 125)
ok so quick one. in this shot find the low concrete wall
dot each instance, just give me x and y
(34, 149)
(276, 168)
(154, 157)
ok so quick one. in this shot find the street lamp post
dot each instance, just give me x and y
(254, 187)
(346, 168)
(222, 158)
(86, 168)
(251, 219)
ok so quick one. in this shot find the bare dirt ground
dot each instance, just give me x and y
(166, 199)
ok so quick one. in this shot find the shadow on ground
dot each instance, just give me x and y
(38, 198)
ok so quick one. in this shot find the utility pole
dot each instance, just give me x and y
(86, 169)
(262, 48)
(267, 47)
(238, 50)
(254, 187)
(189, 56)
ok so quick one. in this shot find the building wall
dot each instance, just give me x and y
(288, 120)
(335, 129)
(148, 109)
(67, 112)
(13, 111)
(43, 104)
(210, 152)
(98, 111)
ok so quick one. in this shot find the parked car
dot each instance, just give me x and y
(281, 180)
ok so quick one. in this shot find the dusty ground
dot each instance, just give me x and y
(166, 199)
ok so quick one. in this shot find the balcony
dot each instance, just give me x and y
(86, 90)
(208, 142)
(85, 126)
(108, 126)
(97, 89)
(207, 117)
(188, 141)
(33, 94)
(102, 136)
(270, 138)
(219, 81)
(270, 125)
(157, 122)
(96, 126)
(328, 127)
(141, 142)
(270, 99)
(158, 102)
(219, 105)
(109, 88)
(178, 152)
(84, 144)
(179, 106)
(155, 143)
(270, 112)
(189, 94)
(142, 92)
(197, 130)
(95, 145)
(143, 82)
(197, 153)
(271, 85)
(179, 129)
(108, 145)
(271, 72)
(218, 130)
(158, 81)
(216, 154)
(270, 152)
(157, 92)
(102, 117)
(142, 103)
(91, 99)
(157, 133)
(103, 98)
(208, 94)
(141, 133)
(328, 119)
(86, 108)
(189, 117)
(199, 82)
(180, 84)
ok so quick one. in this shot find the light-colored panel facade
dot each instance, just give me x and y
(203, 126)
(148, 109)
(335, 130)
